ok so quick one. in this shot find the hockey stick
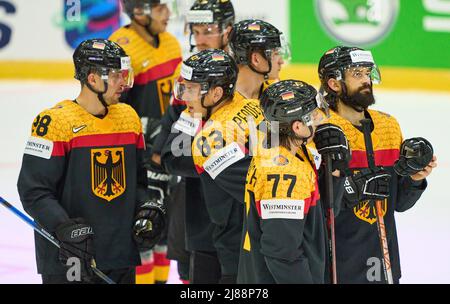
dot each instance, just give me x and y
(49, 237)
(330, 198)
(386, 261)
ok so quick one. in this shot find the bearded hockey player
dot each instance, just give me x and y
(347, 75)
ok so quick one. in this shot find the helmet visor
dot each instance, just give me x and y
(361, 71)
(188, 91)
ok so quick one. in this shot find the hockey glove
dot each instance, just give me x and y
(76, 241)
(367, 184)
(158, 181)
(415, 154)
(331, 140)
(149, 224)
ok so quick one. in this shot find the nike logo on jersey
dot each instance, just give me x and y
(78, 129)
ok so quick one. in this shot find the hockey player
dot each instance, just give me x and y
(156, 55)
(210, 22)
(259, 50)
(82, 176)
(284, 231)
(220, 150)
(347, 75)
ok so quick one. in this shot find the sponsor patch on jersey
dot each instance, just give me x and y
(39, 147)
(200, 16)
(108, 172)
(222, 159)
(361, 56)
(187, 124)
(287, 95)
(282, 209)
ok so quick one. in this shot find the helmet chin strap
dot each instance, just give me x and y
(210, 108)
(303, 139)
(265, 74)
(100, 95)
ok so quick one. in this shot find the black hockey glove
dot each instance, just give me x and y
(158, 181)
(149, 224)
(76, 241)
(367, 184)
(415, 154)
(331, 140)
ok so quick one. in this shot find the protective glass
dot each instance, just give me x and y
(189, 91)
(124, 75)
(359, 72)
(313, 118)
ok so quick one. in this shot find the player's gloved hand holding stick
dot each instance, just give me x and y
(76, 240)
(332, 144)
(149, 224)
(386, 260)
(367, 184)
(65, 248)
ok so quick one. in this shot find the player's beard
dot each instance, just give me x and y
(359, 101)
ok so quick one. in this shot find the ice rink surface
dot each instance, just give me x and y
(423, 231)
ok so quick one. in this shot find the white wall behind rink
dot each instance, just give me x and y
(35, 35)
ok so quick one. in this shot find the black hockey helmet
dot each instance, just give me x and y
(290, 100)
(287, 101)
(105, 58)
(335, 61)
(211, 11)
(130, 5)
(99, 54)
(210, 68)
(252, 35)
(218, 13)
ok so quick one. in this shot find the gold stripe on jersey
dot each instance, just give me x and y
(68, 120)
(143, 55)
(386, 135)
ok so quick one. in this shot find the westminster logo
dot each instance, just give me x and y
(108, 172)
(357, 22)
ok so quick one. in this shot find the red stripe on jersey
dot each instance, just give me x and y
(161, 259)
(144, 269)
(157, 72)
(258, 207)
(199, 169)
(177, 102)
(141, 142)
(98, 140)
(384, 158)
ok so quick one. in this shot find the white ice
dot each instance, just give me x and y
(423, 231)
